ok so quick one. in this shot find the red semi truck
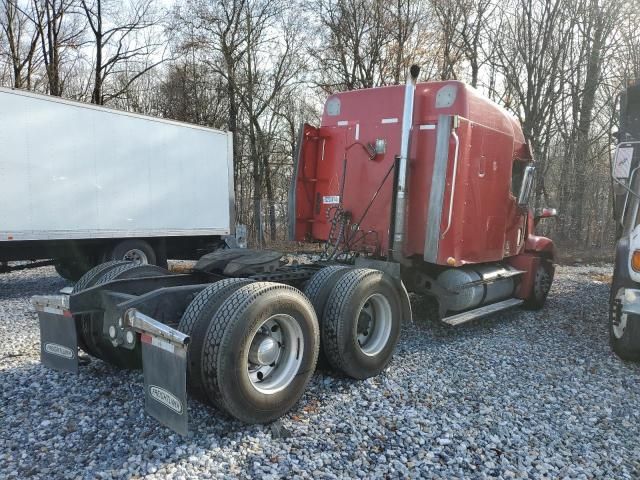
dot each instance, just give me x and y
(423, 188)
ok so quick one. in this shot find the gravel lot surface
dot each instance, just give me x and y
(522, 394)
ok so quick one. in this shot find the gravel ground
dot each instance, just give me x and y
(519, 395)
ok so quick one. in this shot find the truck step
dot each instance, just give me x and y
(482, 311)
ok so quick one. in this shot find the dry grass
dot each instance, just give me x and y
(181, 266)
(600, 277)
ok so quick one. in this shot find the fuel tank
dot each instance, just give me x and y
(477, 285)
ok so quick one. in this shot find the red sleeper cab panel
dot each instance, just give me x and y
(485, 223)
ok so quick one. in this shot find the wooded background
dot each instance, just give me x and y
(261, 67)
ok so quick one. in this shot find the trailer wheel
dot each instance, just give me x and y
(318, 290)
(541, 285)
(260, 351)
(91, 331)
(133, 250)
(195, 321)
(361, 323)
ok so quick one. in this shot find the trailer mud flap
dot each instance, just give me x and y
(58, 335)
(164, 365)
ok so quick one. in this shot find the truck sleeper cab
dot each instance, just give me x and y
(434, 203)
(452, 210)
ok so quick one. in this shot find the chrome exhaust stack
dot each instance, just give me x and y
(403, 167)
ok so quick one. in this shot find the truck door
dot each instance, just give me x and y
(316, 181)
(302, 188)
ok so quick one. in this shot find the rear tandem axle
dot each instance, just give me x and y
(246, 344)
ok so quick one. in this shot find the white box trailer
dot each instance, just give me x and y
(82, 184)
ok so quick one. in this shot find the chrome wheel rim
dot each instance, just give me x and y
(135, 255)
(619, 320)
(373, 328)
(275, 354)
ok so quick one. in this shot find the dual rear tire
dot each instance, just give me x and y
(91, 337)
(255, 344)
(360, 313)
(254, 349)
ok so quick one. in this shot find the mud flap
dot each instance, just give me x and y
(58, 335)
(164, 365)
(165, 382)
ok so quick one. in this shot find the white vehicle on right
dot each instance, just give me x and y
(624, 299)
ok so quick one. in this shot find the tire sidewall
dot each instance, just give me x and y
(360, 364)
(319, 296)
(545, 270)
(239, 393)
(538, 297)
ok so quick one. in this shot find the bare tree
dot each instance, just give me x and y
(530, 51)
(21, 41)
(473, 27)
(118, 43)
(217, 30)
(599, 19)
(59, 33)
(449, 14)
(351, 41)
(272, 66)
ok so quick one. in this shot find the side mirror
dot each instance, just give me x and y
(526, 186)
(544, 213)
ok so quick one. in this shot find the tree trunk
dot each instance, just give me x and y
(594, 67)
(96, 95)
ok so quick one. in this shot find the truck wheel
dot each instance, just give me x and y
(87, 281)
(195, 321)
(89, 278)
(132, 270)
(317, 291)
(624, 329)
(91, 330)
(71, 270)
(361, 323)
(133, 250)
(541, 285)
(89, 326)
(260, 351)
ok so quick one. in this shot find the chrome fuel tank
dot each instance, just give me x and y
(477, 285)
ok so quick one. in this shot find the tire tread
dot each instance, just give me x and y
(230, 312)
(195, 323)
(333, 314)
(87, 279)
